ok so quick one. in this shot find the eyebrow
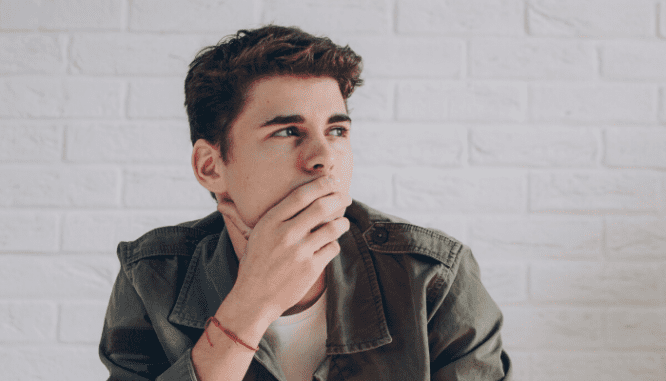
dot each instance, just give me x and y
(289, 119)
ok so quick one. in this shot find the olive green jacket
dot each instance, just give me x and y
(404, 303)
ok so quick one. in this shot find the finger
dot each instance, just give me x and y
(329, 232)
(324, 255)
(320, 212)
(301, 197)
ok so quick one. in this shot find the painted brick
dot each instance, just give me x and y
(594, 103)
(536, 238)
(161, 98)
(534, 147)
(27, 322)
(31, 53)
(460, 191)
(636, 147)
(19, 14)
(77, 14)
(102, 231)
(494, 17)
(401, 144)
(145, 142)
(81, 322)
(662, 207)
(521, 362)
(662, 104)
(591, 18)
(187, 15)
(58, 98)
(662, 19)
(52, 362)
(372, 101)
(27, 142)
(94, 231)
(581, 366)
(435, 100)
(142, 222)
(506, 282)
(59, 186)
(590, 282)
(58, 277)
(373, 186)
(28, 231)
(636, 60)
(91, 98)
(330, 17)
(632, 238)
(168, 187)
(553, 327)
(134, 54)
(592, 192)
(410, 57)
(662, 270)
(637, 328)
(531, 59)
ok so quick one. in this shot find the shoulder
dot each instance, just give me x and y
(177, 240)
(387, 234)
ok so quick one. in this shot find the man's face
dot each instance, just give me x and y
(292, 130)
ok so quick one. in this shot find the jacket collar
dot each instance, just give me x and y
(355, 315)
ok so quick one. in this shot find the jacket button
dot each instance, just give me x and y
(380, 235)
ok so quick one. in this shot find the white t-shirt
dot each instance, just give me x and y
(300, 341)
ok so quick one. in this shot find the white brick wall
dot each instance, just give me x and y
(532, 130)
(591, 18)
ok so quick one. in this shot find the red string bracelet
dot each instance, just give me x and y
(231, 335)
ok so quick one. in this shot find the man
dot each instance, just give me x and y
(290, 279)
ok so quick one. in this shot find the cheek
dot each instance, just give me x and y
(275, 152)
(346, 168)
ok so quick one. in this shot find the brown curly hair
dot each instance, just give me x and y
(220, 75)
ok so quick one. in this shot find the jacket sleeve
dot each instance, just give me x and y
(464, 332)
(130, 348)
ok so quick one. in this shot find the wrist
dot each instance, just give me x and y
(248, 322)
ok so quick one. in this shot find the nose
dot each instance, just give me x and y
(319, 156)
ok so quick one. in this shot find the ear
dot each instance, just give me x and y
(208, 166)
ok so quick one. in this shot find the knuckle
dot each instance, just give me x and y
(334, 246)
(301, 196)
(321, 205)
(337, 227)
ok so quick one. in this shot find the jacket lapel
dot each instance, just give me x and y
(355, 314)
(210, 277)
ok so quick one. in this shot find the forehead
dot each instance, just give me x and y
(286, 94)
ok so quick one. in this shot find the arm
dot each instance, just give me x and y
(464, 333)
(288, 249)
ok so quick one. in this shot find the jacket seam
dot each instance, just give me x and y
(372, 280)
(130, 257)
(187, 283)
(443, 257)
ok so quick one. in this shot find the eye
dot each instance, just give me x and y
(287, 132)
(340, 131)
